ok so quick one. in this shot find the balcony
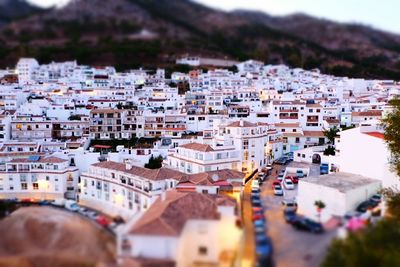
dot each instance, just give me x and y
(288, 117)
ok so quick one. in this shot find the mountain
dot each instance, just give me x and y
(16, 9)
(149, 33)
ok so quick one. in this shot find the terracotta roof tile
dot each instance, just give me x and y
(168, 217)
(155, 174)
(198, 147)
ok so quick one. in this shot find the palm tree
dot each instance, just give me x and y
(320, 206)
(331, 134)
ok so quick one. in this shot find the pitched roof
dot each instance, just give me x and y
(168, 217)
(50, 159)
(314, 133)
(150, 174)
(212, 177)
(241, 124)
(198, 147)
(368, 113)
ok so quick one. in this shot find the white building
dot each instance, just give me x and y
(340, 192)
(195, 158)
(39, 178)
(25, 69)
(122, 189)
(178, 231)
(363, 151)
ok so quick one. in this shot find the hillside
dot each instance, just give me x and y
(133, 33)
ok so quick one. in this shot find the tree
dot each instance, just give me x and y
(320, 206)
(392, 133)
(330, 150)
(377, 245)
(154, 163)
(331, 134)
(392, 198)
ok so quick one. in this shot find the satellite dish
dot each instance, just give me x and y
(215, 177)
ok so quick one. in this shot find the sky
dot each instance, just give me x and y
(383, 14)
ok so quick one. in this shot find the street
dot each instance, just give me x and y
(292, 248)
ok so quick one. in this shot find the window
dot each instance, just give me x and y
(202, 250)
(24, 186)
(47, 178)
(35, 186)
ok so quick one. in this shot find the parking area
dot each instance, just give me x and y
(292, 247)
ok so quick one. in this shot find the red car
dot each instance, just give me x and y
(276, 182)
(294, 179)
(103, 221)
(257, 209)
(257, 217)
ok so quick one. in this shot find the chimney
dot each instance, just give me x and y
(128, 165)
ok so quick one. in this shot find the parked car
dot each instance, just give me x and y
(257, 209)
(289, 215)
(278, 191)
(290, 156)
(259, 223)
(59, 202)
(366, 205)
(276, 182)
(256, 204)
(294, 179)
(262, 176)
(255, 197)
(306, 224)
(300, 174)
(92, 215)
(258, 216)
(71, 205)
(45, 202)
(290, 205)
(376, 198)
(288, 184)
(27, 201)
(259, 229)
(255, 190)
(264, 250)
(11, 200)
(83, 211)
(103, 221)
(281, 161)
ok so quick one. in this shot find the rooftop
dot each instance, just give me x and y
(151, 174)
(167, 217)
(342, 181)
